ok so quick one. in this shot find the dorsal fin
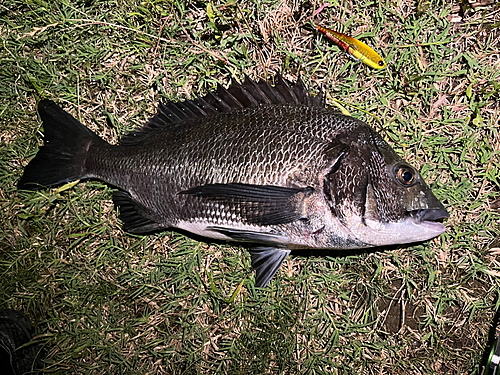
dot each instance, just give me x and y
(236, 96)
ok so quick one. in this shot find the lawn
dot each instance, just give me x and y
(107, 302)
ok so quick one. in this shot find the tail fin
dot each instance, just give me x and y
(62, 157)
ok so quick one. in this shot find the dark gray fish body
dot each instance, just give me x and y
(256, 163)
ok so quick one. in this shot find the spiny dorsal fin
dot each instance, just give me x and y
(236, 96)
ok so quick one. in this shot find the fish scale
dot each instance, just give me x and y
(263, 164)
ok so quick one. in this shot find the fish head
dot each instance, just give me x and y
(378, 197)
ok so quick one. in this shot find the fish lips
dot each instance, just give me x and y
(429, 218)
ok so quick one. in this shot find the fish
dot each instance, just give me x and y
(354, 47)
(267, 165)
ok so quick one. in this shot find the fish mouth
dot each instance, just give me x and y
(415, 226)
(432, 215)
(429, 218)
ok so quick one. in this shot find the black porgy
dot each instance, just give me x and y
(268, 165)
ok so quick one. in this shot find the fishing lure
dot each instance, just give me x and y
(354, 47)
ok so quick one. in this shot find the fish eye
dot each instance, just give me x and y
(406, 175)
(381, 63)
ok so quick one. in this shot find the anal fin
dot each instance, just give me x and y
(133, 215)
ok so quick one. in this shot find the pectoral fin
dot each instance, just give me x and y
(266, 261)
(256, 204)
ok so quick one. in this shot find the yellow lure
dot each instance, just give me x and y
(354, 47)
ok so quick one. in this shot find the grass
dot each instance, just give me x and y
(104, 301)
